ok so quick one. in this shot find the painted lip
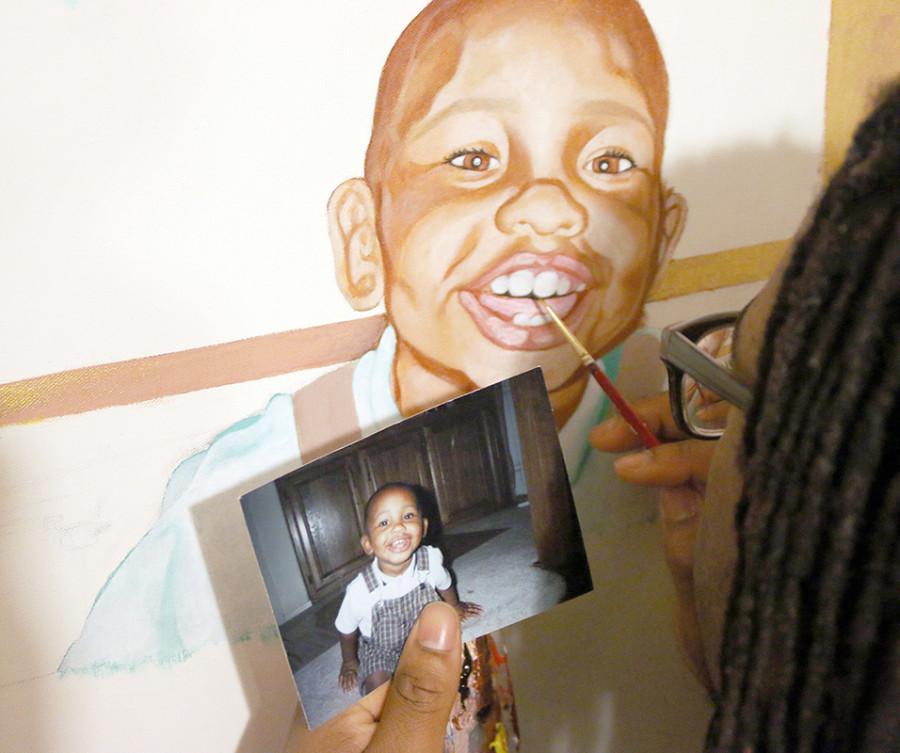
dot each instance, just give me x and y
(494, 314)
(558, 262)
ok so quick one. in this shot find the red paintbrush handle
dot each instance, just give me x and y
(626, 411)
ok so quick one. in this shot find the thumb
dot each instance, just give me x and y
(424, 685)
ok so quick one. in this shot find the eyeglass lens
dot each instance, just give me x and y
(704, 410)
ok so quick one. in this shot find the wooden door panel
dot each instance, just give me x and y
(322, 513)
(462, 451)
(330, 519)
(404, 459)
(456, 452)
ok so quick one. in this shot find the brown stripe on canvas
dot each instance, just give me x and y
(127, 382)
(737, 266)
(141, 379)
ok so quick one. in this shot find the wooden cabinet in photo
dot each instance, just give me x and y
(458, 452)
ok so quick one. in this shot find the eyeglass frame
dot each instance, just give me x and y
(680, 354)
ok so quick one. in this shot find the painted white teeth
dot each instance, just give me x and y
(524, 283)
(521, 283)
(545, 284)
(529, 320)
(500, 285)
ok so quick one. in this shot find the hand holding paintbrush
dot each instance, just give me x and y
(680, 500)
(625, 410)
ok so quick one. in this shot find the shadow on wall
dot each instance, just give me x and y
(33, 728)
(716, 218)
(247, 618)
(36, 733)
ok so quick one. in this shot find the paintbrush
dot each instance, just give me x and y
(625, 410)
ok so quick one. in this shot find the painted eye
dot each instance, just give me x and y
(610, 164)
(476, 160)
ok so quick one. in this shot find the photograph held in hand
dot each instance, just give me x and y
(467, 503)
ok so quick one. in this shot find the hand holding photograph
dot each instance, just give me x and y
(448, 505)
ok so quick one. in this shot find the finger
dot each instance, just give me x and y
(350, 731)
(670, 464)
(615, 435)
(373, 703)
(424, 685)
(714, 413)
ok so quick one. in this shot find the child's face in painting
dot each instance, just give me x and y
(394, 530)
(533, 173)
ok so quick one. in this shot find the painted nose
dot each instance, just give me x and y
(544, 208)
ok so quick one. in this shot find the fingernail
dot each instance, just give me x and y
(678, 503)
(633, 462)
(438, 628)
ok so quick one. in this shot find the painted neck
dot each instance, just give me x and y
(418, 387)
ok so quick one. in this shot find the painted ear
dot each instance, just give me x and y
(358, 261)
(366, 544)
(674, 216)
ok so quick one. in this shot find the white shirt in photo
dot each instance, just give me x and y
(356, 609)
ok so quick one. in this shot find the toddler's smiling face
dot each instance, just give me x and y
(394, 530)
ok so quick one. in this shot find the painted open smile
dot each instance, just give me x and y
(502, 302)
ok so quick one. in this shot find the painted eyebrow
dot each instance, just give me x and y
(613, 107)
(473, 104)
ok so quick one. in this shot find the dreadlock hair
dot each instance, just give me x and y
(810, 653)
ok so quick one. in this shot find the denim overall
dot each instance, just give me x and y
(392, 619)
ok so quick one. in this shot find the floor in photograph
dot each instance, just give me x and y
(493, 560)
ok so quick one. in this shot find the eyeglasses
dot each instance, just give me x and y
(697, 355)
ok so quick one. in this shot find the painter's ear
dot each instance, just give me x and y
(674, 216)
(366, 545)
(358, 262)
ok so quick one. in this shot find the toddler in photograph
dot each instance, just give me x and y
(381, 604)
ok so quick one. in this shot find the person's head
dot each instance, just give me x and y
(395, 526)
(516, 149)
(809, 651)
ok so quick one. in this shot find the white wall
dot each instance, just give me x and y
(166, 164)
(275, 552)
